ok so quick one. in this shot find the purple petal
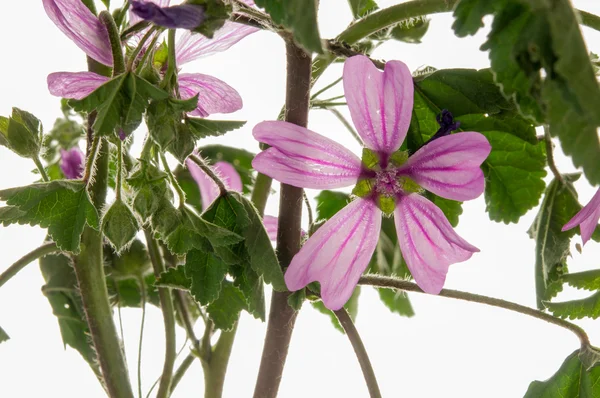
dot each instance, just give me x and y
(271, 226)
(303, 158)
(338, 253)
(450, 165)
(428, 242)
(214, 95)
(184, 16)
(380, 103)
(71, 163)
(192, 46)
(78, 23)
(133, 18)
(209, 190)
(74, 85)
(587, 218)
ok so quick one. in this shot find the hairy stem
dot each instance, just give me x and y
(550, 155)
(346, 124)
(166, 305)
(173, 180)
(384, 281)
(170, 75)
(181, 370)
(214, 373)
(282, 317)
(140, 46)
(115, 42)
(119, 179)
(40, 168)
(33, 255)
(140, 343)
(361, 353)
(94, 147)
(210, 172)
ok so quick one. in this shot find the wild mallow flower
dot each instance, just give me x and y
(587, 218)
(387, 180)
(214, 95)
(71, 163)
(184, 16)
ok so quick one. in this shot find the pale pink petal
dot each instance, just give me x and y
(380, 103)
(78, 23)
(587, 218)
(338, 253)
(191, 46)
(209, 190)
(214, 95)
(450, 166)
(271, 226)
(303, 158)
(74, 85)
(133, 18)
(428, 243)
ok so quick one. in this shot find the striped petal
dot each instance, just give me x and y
(209, 190)
(303, 158)
(78, 23)
(214, 95)
(192, 46)
(74, 85)
(380, 103)
(338, 253)
(450, 166)
(428, 242)
(271, 226)
(587, 218)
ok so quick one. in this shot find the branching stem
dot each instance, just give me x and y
(30, 257)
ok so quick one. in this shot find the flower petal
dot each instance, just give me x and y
(133, 17)
(450, 166)
(184, 16)
(338, 253)
(192, 46)
(215, 96)
(380, 103)
(71, 163)
(78, 23)
(271, 226)
(303, 158)
(428, 243)
(74, 85)
(209, 190)
(587, 218)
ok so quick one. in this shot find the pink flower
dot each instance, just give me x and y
(587, 218)
(71, 163)
(387, 180)
(214, 95)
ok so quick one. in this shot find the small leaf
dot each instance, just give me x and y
(410, 30)
(330, 202)
(360, 8)
(165, 116)
(571, 380)
(588, 280)
(202, 128)
(207, 273)
(120, 225)
(21, 133)
(3, 336)
(296, 299)
(64, 207)
(225, 311)
(588, 307)
(175, 278)
(150, 187)
(396, 301)
(127, 292)
(130, 263)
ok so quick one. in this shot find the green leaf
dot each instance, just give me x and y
(588, 307)
(396, 301)
(164, 118)
(150, 187)
(360, 8)
(3, 336)
(120, 103)
(62, 294)
(131, 262)
(225, 311)
(540, 60)
(351, 306)
(572, 380)
(64, 207)
(120, 225)
(22, 133)
(239, 158)
(202, 128)
(207, 273)
(252, 286)
(552, 244)
(296, 299)
(127, 292)
(184, 143)
(329, 203)
(300, 17)
(452, 209)
(410, 30)
(588, 280)
(175, 278)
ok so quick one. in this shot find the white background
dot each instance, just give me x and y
(449, 349)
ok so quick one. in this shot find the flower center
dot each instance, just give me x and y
(387, 182)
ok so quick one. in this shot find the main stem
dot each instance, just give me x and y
(282, 317)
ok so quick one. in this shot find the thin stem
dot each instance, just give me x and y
(282, 317)
(326, 105)
(91, 159)
(384, 281)
(361, 353)
(327, 87)
(260, 192)
(590, 20)
(119, 178)
(181, 370)
(41, 169)
(550, 155)
(140, 46)
(121, 14)
(147, 54)
(172, 61)
(173, 180)
(166, 305)
(215, 376)
(26, 259)
(205, 350)
(115, 42)
(346, 124)
(140, 344)
(308, 210)
(147, 148)
(127, 33)
(210, 172)
(186, 319)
